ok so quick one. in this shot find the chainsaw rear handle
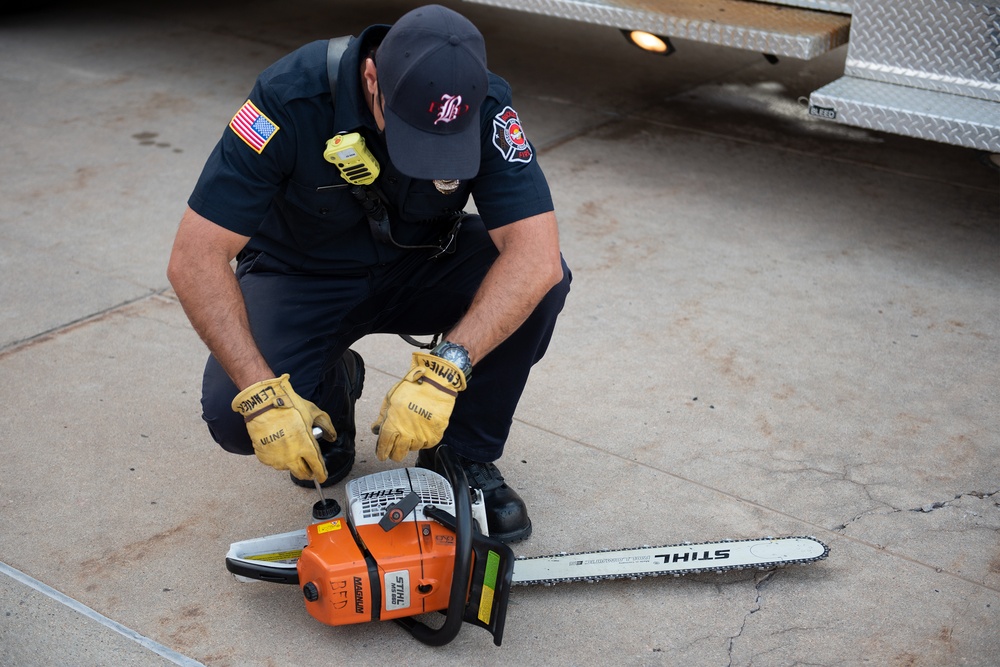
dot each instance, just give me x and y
(463, 559)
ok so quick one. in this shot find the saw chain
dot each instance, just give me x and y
(668, 560)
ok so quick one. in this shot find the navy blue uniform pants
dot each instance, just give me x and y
(303, 324)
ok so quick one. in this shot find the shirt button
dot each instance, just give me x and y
(324, 211)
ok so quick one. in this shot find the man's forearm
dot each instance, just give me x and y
(219, 316)
(201, 276)
(528, 266)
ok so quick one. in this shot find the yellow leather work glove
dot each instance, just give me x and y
(280, 425)
(416, 411)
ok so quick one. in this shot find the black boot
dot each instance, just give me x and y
(348, 380)
(506, 515)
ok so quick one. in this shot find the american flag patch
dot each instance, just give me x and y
(253, 127)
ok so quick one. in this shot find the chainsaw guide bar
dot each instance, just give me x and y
(674, 560)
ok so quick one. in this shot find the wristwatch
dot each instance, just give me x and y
(456, 354)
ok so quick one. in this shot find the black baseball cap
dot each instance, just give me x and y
(432, 72)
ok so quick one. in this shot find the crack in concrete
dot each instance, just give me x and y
(759, 586)
(846, 475)
(925, 509)
(982, 495)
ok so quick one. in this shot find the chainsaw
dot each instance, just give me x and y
(413, 542)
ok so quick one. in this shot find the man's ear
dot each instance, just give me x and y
(370, 76)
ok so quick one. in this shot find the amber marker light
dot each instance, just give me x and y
(647, 41)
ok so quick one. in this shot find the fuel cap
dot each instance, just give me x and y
(325, 509)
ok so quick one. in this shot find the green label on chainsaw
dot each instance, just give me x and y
(489, 586)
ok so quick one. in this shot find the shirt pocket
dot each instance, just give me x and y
(423, 202)
(332, 206)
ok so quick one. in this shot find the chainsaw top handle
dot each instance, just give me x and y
(463, 558)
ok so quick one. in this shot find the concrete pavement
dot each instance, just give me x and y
(777, 326)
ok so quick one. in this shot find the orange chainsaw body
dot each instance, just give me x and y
(410, 543)
(407, 571)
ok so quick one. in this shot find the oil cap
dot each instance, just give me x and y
(325, 509)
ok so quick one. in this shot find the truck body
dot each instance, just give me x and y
(922, 68)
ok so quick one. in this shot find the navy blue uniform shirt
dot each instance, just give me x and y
(267, 178)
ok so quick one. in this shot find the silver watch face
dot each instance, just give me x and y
(456, 355)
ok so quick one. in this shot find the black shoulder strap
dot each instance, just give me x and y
(334, 50)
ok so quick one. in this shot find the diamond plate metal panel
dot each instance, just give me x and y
(946, 45)
(914, 112)
(821, 5)
(743, 24)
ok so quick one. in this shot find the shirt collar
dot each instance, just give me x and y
(350, 110)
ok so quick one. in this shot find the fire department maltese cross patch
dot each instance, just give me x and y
(509, 138)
